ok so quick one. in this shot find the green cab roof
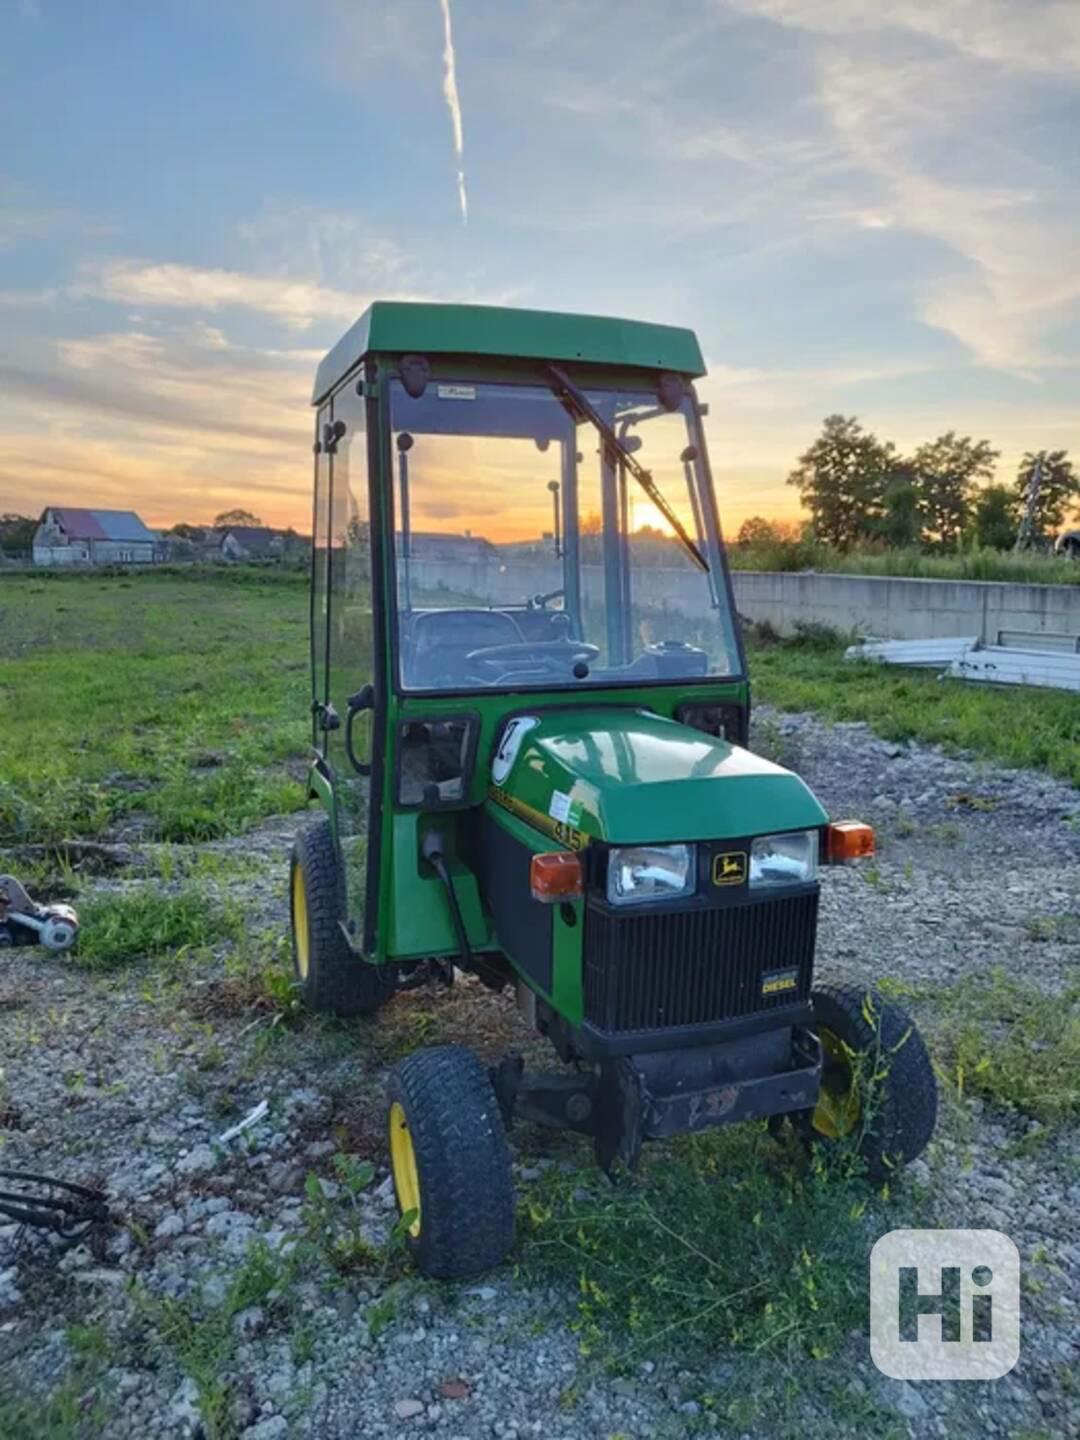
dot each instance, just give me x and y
(397, 326)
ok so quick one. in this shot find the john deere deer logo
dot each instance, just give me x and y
(729, 868)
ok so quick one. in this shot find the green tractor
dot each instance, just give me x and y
(530, 719)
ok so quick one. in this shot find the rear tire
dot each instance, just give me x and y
(450, 1162)
(333, 980)
(877, 1089)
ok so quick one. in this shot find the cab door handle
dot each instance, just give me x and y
(364, 699)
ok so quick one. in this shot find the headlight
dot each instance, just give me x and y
(784, 859)
(649, 872)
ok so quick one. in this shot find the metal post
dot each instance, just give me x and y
(553, 486)
(613, 589)
(572, 536)
(404, 445)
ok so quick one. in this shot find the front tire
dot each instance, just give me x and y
(450, 1162)
(878, 1090)
(332, 979)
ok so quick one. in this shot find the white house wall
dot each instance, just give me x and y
(60, 557)
(95, 552)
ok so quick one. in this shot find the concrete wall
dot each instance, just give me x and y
(894, 609)
(905, 609)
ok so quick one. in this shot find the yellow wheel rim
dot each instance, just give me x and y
(837, 1111)
(403, 1164)
(300, 922)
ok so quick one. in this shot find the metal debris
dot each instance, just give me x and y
(251, 1118)
(67, 1210)
(1019, 667)
(23, 922)
(932, 653)
(964, 658)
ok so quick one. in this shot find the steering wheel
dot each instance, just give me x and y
(550, 653)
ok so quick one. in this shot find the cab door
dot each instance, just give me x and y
(320, 594)
(344, 697)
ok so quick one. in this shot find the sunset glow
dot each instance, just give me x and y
(855, 214)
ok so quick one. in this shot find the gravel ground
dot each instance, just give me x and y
(129, 1079)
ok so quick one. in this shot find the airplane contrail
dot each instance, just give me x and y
(453, 104)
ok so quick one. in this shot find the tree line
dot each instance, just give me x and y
(858, 489)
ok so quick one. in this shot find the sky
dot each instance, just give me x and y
(865, 208)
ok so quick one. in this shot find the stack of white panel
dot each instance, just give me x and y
(932, 653)
(1003, 666)
(964, 658)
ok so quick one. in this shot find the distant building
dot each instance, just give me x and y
(245, 542)
(66, 536)
(254, 543)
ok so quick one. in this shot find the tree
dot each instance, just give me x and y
(842, 479)
(997, 514)
(17, 534)
(195, 533)
(235, 517)
(901, 524)
(757, 531)
(1059, 486)
(947, 472)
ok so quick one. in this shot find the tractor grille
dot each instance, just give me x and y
(695, 967)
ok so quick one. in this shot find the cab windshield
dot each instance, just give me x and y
(532, 551)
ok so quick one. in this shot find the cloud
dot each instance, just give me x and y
(145, 283)
(186, 384)
(24, 217)
(28, 299)
(326, 247)
(1041, 37)
(19, 222)
(1004, 215)
(178, 424)
(453, 104)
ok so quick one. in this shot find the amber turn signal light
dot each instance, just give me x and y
(555, 877)
(847, 840)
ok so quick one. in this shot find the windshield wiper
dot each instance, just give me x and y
(580, 408)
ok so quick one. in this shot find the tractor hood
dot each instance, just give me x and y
(628, 776)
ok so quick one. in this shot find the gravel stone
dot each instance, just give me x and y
(10, 1294)
(197, 1161)
(937, 905)
(274, 1427)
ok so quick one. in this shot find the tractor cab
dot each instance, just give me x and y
(529, 719)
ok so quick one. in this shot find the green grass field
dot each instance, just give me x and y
(170, 704)
(1015, 726)
(173, 706)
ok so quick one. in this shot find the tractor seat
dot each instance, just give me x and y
(437, 642)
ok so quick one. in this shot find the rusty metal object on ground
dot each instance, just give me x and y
(60, 1206)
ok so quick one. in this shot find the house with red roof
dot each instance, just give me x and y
(68, 536)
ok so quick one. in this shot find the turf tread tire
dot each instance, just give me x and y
(462, 1160)
(338, 982)
(906, 1100)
